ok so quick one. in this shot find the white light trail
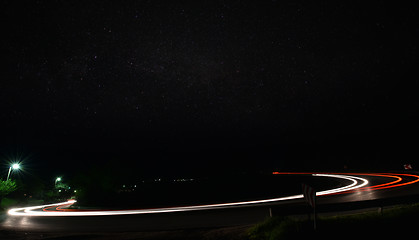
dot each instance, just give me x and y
(29, 211)
(345, 188)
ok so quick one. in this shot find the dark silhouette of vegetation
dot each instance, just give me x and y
(7, 187)
(97, 187)
(397, 221)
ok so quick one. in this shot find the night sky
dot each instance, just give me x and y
(169, 87)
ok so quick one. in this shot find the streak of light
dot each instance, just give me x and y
(385, 185)
(403, 184)
(29, 211)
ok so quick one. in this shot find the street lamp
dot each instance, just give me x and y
(57, 180)
(15, 166)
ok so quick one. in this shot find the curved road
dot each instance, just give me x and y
(354, 187)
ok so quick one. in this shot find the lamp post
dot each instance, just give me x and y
(14, 167)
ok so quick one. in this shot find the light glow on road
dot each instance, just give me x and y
(356, 182)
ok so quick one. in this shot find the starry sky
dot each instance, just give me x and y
(173, 85)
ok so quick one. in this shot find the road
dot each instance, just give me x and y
(353, 188)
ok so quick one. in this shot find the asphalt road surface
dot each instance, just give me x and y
(353, 188)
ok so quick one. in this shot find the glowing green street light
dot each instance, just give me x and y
(57, 180)
(15, 166)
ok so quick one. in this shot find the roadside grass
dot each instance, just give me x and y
(400, 221)
(6, 203)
